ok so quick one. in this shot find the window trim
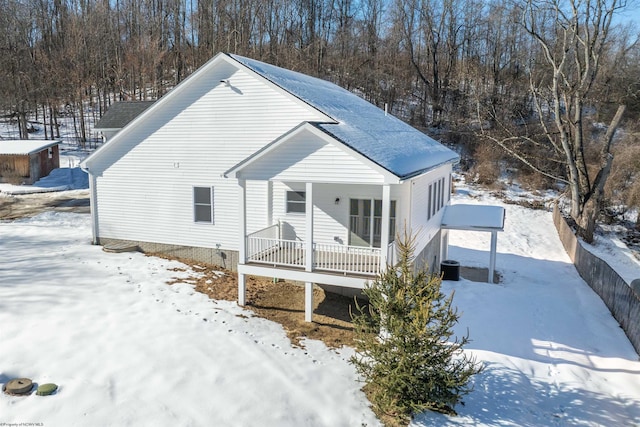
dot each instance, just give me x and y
(211, 205)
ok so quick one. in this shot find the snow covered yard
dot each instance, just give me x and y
(553, 353)
(127, 349)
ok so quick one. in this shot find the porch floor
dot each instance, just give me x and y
(316, 270)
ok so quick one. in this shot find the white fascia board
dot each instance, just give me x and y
(106, 129)
(389, 178)
(235, 170)
(168, 97)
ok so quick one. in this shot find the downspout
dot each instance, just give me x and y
(93, 205)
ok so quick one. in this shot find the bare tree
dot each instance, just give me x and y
(573, 37)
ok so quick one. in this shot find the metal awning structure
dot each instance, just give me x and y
(474, 218)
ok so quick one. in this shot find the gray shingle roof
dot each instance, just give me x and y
(382, 138)
(121, 113)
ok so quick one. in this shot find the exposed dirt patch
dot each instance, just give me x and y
(26, 205)
(282, 302)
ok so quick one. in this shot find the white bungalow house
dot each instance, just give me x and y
(271, 172)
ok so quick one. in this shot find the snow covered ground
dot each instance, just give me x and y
(129, 350)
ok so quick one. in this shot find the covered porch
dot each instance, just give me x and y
(268, 247)
(274, 251)
(328, 213)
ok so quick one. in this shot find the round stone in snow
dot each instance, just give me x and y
(46, 389)
(18, 386)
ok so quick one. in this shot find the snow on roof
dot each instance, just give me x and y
(473, 217)
(24, 146)
(121, 113)
(384, 139)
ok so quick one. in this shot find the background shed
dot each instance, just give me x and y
(26, 161)
(118, 116)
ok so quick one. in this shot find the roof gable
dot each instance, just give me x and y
(218, 72)
(363, 128)
(384, 139)
(308, 154)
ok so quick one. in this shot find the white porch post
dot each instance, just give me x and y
(309, 255)
(492, 260)
(270, 203)
(309, 227)
(308, 302)
(384, 227)
(444, 243)
(93, 208)
(242, 248)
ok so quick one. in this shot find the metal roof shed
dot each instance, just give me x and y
(474, 218)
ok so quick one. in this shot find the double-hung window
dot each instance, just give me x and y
(296, 201)
(203, 204)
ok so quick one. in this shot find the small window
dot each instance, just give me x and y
(434, 200)
(429, 204)
(203, 204)
(296, 201)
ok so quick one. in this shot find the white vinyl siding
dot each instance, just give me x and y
(147, 194)
(330, 219)
(427, 203)
(307, 156)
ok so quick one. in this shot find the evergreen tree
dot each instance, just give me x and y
(404, 348)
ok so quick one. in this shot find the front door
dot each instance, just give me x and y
(365, 223)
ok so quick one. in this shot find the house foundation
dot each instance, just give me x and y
(227, 259)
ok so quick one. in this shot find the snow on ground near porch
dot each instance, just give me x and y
(553, 353)
(128, 350)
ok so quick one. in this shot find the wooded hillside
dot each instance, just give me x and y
(441, 64)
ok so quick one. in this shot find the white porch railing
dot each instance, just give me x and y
(289, 253)
(264, 248)
(346, 259)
